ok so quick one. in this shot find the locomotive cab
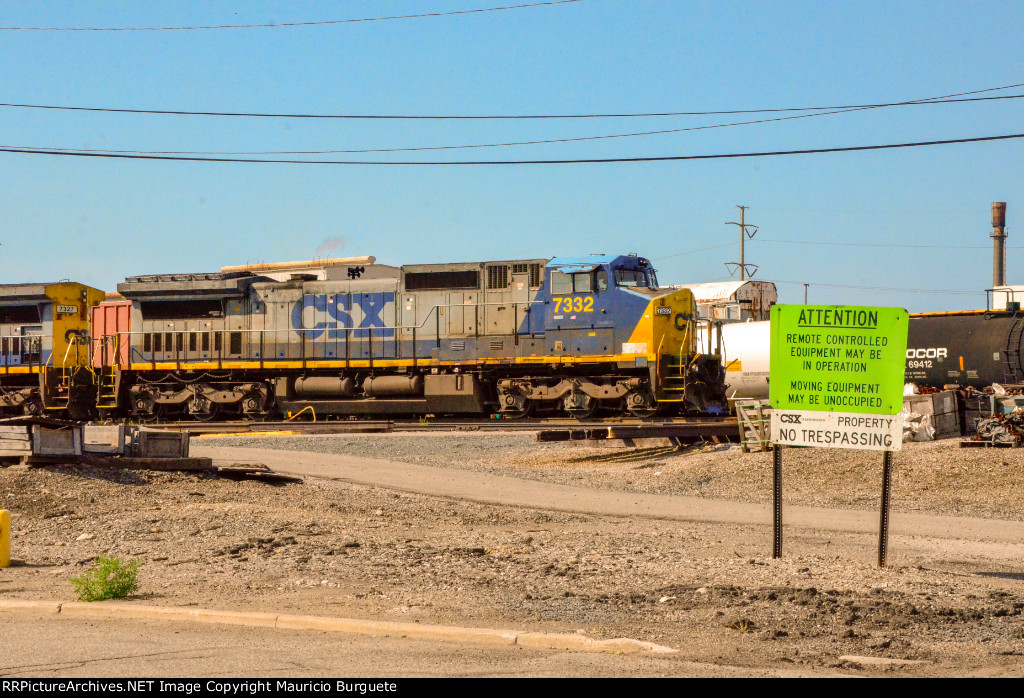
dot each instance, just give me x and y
(605, 311)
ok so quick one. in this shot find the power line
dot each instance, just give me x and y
(577, 161)
(883, 288)
(440, 117)
(287, 24)
(481, 145)
(875, 244)
(688, 252)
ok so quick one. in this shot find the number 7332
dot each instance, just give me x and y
(574, 304)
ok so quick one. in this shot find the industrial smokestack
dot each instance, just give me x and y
(998, 244)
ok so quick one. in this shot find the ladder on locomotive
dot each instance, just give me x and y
(1011, 354)
(106, 387)
(106, 390)
(67, 373)
(674, 380)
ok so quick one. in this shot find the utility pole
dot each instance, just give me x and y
(805, 293)
(743, 225)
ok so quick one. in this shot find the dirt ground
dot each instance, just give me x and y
(710, 590)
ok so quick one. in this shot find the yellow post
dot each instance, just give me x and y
(5, 538)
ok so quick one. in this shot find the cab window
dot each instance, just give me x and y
(581, 282)
(629, 277)
(561, 283)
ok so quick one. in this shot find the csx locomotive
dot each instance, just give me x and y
(568, 336)
(44, 350)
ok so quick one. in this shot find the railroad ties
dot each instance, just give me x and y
(682, 433)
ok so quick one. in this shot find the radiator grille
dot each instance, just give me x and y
(535, 276)
(497, 276)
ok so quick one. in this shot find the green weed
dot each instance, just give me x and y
(108, 578)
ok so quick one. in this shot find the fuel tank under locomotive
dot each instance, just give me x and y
(968, 349)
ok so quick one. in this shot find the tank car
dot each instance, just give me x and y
(744, 348)
(563, 335)
(44, 350)
(968, 348)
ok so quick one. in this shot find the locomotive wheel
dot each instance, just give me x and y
(586, 413)
(209, 415)
(641, 406)
(583, 409)
(145, 410)
(149, 417)
(525, 410)
(256, 415)
(32, 407)
(579, 405)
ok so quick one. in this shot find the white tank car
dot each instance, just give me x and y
(745, 353)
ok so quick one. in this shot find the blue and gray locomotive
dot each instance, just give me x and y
(567, 336)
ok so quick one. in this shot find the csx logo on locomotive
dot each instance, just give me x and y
(336, 311)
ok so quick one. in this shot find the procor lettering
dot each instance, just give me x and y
(928, 353)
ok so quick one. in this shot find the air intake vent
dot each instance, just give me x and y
(497, 276)
(497, 344)
(520, 268)
(458, 345)
(535, 276)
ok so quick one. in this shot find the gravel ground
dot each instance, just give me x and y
(332, 548)
(933, 477)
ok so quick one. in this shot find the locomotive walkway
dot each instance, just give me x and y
(986, 538)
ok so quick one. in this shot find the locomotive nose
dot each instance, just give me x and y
(675, 314)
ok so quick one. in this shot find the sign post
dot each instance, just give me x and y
(776, 501)
(883, 524)
(837, 382)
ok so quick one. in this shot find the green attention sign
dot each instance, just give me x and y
(838, 358)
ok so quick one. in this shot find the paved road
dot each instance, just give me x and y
(34, 645)
(983, 538)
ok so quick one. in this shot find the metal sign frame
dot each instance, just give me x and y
(838, 370)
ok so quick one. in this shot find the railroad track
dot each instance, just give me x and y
(548, 429)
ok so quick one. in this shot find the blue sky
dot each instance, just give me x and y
(98, 221)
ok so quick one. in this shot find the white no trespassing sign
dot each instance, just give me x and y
(868, 432)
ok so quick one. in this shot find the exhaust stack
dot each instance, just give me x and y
(998, 244)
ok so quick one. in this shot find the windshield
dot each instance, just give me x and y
(629, 277)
